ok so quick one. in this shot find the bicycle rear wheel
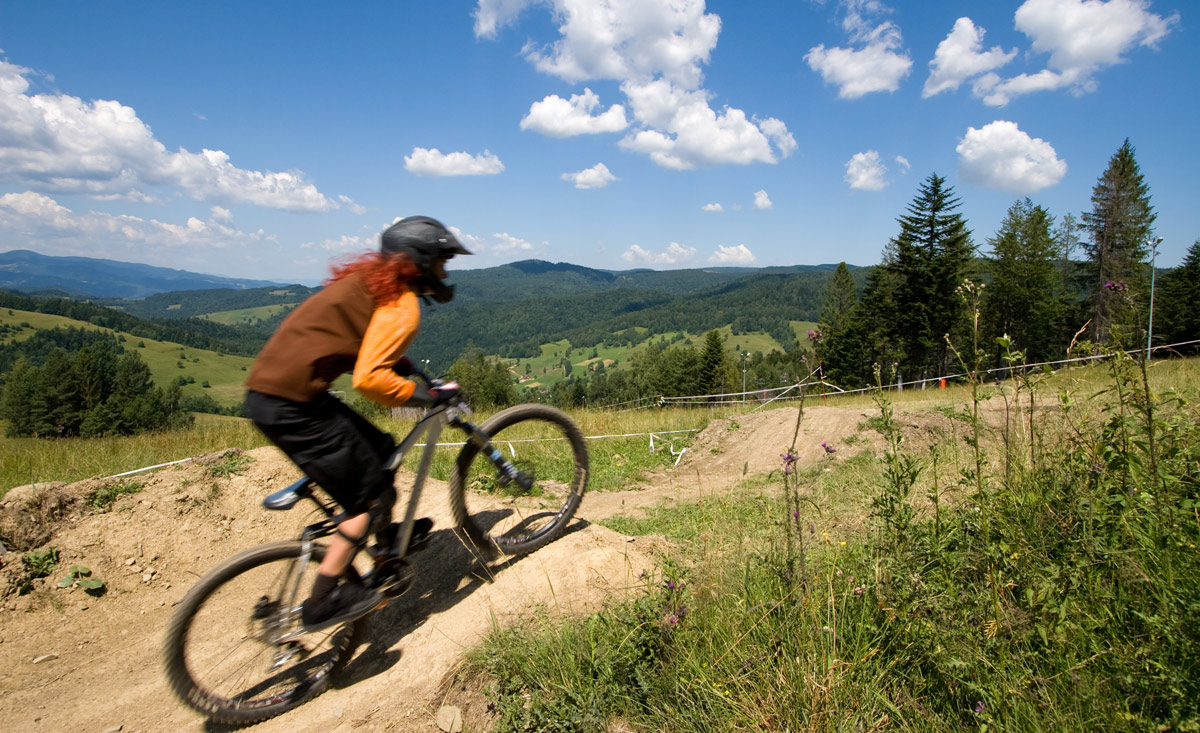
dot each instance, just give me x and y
(235, 649)
(509, 516)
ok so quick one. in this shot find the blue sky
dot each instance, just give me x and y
(263, 139)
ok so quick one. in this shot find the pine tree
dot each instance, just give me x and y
(1119, 225)
(908, 308)
(1179, 301)
(1025, 295)
(712, 363)
(835, 349)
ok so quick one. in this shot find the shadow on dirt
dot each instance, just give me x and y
(448, 570)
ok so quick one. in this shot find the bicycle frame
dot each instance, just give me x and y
(430, 426)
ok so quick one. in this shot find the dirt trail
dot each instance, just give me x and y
(71, 662)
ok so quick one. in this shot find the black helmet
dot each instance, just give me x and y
(425, 241)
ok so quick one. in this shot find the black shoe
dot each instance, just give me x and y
(388, 536)
(420, 536)
(345, 602)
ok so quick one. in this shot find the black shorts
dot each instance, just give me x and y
(334, 445)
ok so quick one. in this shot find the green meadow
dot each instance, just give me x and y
(225, 374)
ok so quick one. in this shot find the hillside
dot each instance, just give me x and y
(28, 272)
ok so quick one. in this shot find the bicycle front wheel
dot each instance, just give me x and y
(235, 649)
(500, 513)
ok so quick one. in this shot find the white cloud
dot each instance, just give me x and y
(45, 224)
(433, 163)
(352, 206)
(865, 172)
(492, 15)
(1090, 34)
(762, 201)
(505, 244)
(675, 254)
(656, 50)
(877, 65)
(732, 255)
(712, 207)
(558, 117)
(959, 57)
(57, 143)
(903, 163)
(999, 155)
(598, 176)
(686, 132)
(628, 39)
(1082, 37)
(470, 241)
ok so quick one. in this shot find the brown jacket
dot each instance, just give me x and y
(340, 329)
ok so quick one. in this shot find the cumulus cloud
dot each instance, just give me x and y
(1080, 38)
(656, 51)
(56, 143)
(737, 254)
(558, 117)
(762, 201)
(45, 224)
(352, 206)
(1000, 155)
(712, 207)
(903, 163)
(877, 64)
(865, 172)
(433, 163)
(598, 176)
(674, 254)
(959, 57)
(506, 244)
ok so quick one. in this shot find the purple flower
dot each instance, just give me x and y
(795, 515)
(828, 448)
(670, 585)
(789, 462)
(979, 706)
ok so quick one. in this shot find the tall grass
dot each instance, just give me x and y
(616, 462)
(37, 460)
(1036, 569)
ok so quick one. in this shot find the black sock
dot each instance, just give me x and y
(322, 586)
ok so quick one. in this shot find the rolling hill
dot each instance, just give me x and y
(30, 272)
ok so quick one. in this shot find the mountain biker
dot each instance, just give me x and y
(363, 320)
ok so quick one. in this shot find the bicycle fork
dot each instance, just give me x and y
(508, 472)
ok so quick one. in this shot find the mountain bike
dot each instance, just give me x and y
(236, 649)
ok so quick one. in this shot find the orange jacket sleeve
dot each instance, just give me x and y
(389, 334)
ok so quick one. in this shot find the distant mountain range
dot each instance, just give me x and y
(510, 310)
(87, 277)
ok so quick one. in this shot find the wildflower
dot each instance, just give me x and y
(795, 515)
(670, 584)
(789, 462)
(979, 706)
(829, 448)
(812, 527)
(843, 543)
(815, 336)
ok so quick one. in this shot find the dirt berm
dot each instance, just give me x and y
(72, 662)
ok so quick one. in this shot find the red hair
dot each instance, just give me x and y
(387, 276)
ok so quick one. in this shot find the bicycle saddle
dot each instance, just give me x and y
(286, 498)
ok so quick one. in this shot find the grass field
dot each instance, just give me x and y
(992, 578)
(168, 361)
(547, 369)
(248, 315)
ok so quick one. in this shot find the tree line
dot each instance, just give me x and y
(931, 292)
(100, 389)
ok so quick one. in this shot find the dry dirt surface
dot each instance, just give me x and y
(72, 662)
